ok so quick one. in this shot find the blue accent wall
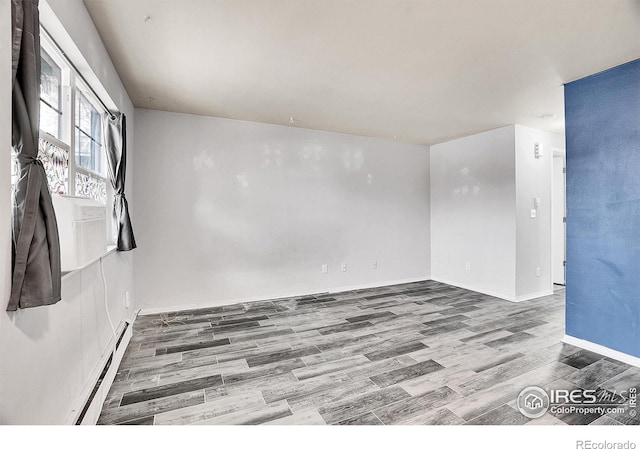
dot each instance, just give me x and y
(602, 114)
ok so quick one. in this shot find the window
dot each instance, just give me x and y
(70, 144)
(50, 95)
(90, 179)
(88, 128)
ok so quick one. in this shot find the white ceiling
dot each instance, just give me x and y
(424, 71)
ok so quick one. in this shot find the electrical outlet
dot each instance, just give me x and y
(344, 266)
(127, 299)
(375, 265)
(538, 271)
(467, 266)
(325, 268)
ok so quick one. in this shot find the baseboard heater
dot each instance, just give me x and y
(102, 377)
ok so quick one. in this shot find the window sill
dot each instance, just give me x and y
(110, 249)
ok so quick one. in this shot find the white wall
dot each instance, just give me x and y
(482, 192)
(230, 210)
(533, 238)
(5, 167)
(472, 212)
(50, 355)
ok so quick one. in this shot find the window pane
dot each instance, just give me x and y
(83, 113)
(96, 127)
(49, 119)
(88, 135)
(89, 186)
(50, 81)
(50, 77)
(88, 152)
(56, 165)
(83, 149)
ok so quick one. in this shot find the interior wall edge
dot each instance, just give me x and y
(472, 208)
(50, 354)
(476, 289)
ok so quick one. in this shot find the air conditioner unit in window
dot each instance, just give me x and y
(82, 227)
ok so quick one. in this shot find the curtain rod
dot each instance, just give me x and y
(77, 72)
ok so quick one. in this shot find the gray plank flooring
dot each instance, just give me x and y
(423, 353)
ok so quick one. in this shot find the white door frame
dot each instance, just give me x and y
(555, 269)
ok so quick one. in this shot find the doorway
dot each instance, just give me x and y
(558, 217)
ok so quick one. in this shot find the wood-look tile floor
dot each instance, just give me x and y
(420, 353)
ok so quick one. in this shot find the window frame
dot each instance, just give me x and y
(59, 64)
(70, 85)
(81, 89)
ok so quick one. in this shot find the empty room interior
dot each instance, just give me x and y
(316, 212)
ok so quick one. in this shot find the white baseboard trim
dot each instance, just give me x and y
(533, 295)
(475, 289)
(193, 306)
(510, 298)
(594, 347)
(95, 407)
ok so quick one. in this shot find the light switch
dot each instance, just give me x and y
(533, 213)
(537, 150)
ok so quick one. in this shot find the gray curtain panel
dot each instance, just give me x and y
(115, 144)
(36, 247)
